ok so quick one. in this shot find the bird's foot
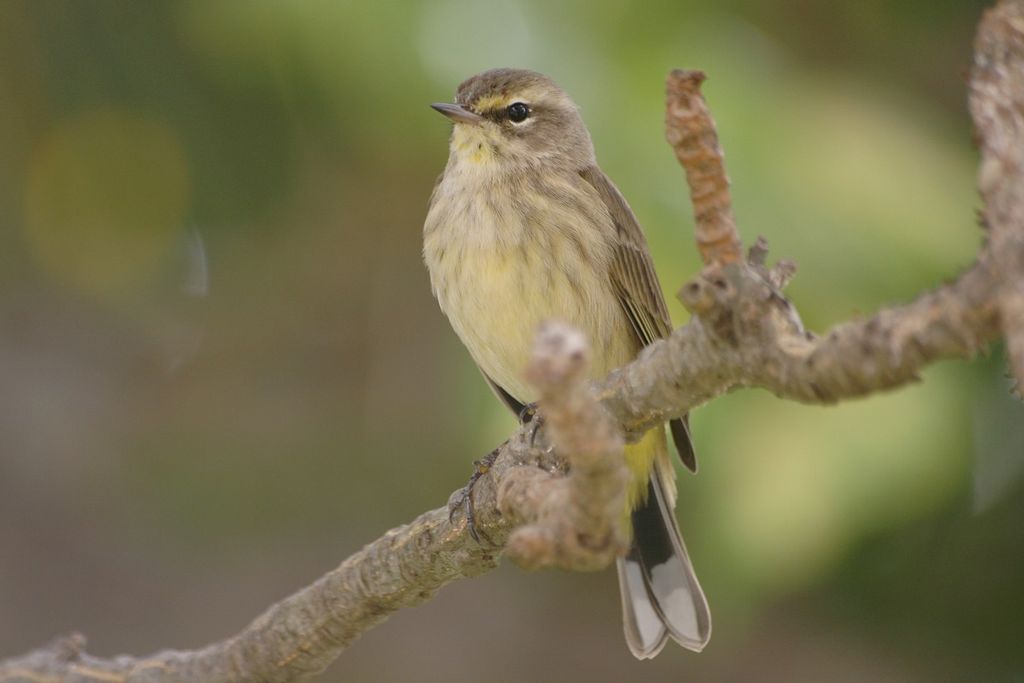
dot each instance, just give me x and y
(464, 498)
(530, 415)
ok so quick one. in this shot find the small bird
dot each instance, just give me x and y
(522, 227)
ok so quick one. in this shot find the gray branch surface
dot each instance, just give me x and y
(552, 494)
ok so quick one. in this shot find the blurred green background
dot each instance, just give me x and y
(222, 371)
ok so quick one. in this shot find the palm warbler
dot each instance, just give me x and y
(523, 226)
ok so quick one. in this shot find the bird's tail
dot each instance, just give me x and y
(661, 597)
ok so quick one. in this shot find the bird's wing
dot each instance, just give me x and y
(637, 287)
(506, 398)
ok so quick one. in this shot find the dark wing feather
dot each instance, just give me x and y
(506, 398)
(638, 289)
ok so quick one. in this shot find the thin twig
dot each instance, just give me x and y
(690, 131)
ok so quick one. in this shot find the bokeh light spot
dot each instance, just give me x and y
(105, 197)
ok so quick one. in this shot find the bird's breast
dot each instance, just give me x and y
(502, 263)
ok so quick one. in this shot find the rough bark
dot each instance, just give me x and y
(550, 496)
(996, 100)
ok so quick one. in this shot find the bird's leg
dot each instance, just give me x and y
(464, 498)
(531, 415)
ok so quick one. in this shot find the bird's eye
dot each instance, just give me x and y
(517, 112)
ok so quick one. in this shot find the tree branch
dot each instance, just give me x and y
(560, 509)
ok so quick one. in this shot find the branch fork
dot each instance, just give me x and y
(575, 521)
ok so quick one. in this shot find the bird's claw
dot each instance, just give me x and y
(464, 499)
(530, 414)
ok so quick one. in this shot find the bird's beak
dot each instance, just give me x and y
(457, 113)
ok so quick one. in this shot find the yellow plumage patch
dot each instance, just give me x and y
(491, 102)
(472, 144)
(641, 457)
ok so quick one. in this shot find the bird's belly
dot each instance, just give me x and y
(496, 303)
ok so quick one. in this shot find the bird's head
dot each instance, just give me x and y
(512, 119)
